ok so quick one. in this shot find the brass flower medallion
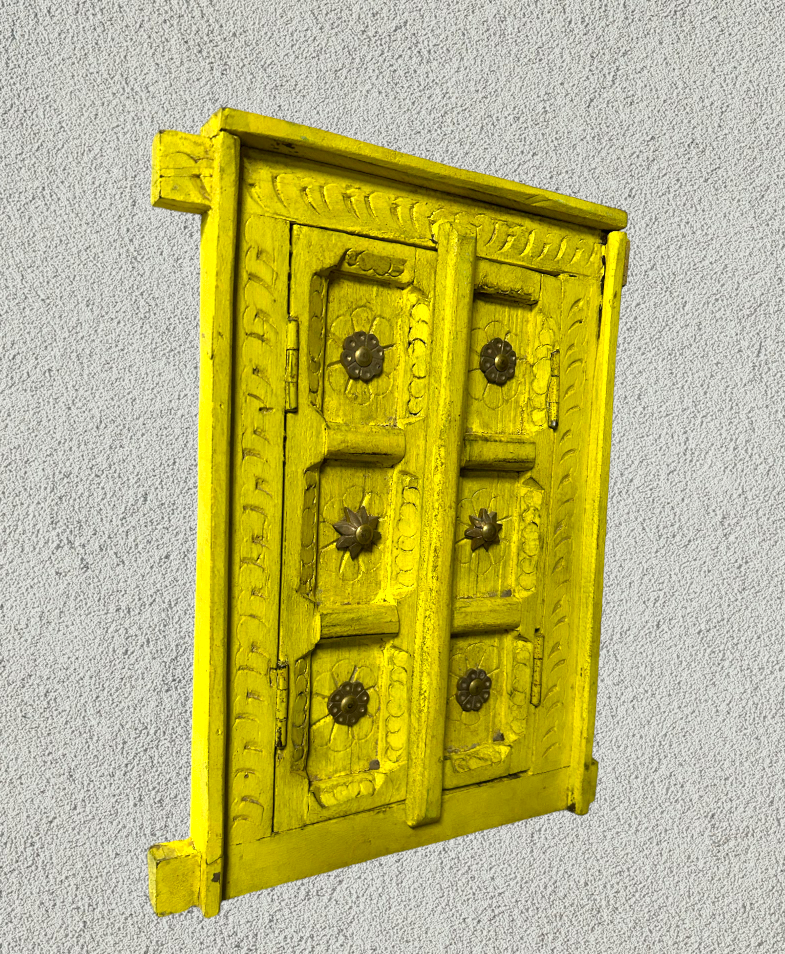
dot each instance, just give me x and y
(484, 529)
(362, 356)
(349, 703)
(474, 690)
(358, 531)
(497, 361)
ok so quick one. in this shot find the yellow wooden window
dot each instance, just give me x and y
(404, 436)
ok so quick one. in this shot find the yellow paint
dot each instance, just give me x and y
(307, 238)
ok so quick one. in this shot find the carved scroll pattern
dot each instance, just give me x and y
(373, 266)
(317, 198)
(300, 710)
(417, 349)
(552, 712)
(544, 343)
(520, 685)
(490, 753)
(257, 434)
(396, 706)
(530, 533)
(407, 531)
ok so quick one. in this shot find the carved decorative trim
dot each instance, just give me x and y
(312, 197)
(183, 167)
(530, 508)
(396, 707)
(298, 729)
(407, 531)
(417, 350)
(546, 337)
(257, 431)
(489, 753)
(552, 712)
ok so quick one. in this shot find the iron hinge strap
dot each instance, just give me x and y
(537, 668)
(292, 363)
(281, 703)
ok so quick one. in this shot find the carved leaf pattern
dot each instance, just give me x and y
(347, 763)
(473, 653)
(315, 198)
(552, 712)
(256, 430)
(484, 572)
(468, 735)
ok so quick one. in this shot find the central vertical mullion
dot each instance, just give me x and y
(444, 434)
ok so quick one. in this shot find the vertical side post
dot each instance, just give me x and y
(583, 775)
(219, 229)
(454, 296)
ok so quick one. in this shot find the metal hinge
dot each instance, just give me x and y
(553, 392)
(537, 668)
(281, 703)
(292, 363)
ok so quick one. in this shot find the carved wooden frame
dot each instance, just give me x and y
(267, 174)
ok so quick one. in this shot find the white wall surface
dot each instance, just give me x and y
(672, 111)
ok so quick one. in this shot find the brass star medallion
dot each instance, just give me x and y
(484, 529)
(358, 532)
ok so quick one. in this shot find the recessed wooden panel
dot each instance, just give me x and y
(495, 740)
(355, 768)
(339, 578)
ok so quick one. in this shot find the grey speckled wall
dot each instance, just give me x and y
(674, 112)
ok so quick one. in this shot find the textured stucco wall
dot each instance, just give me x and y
(673, 111)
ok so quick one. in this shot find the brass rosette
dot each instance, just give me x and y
(362, 356)
(349, 703)
(497, 361)
(474, 690)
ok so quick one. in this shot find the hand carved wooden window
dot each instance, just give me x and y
(404, 437)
